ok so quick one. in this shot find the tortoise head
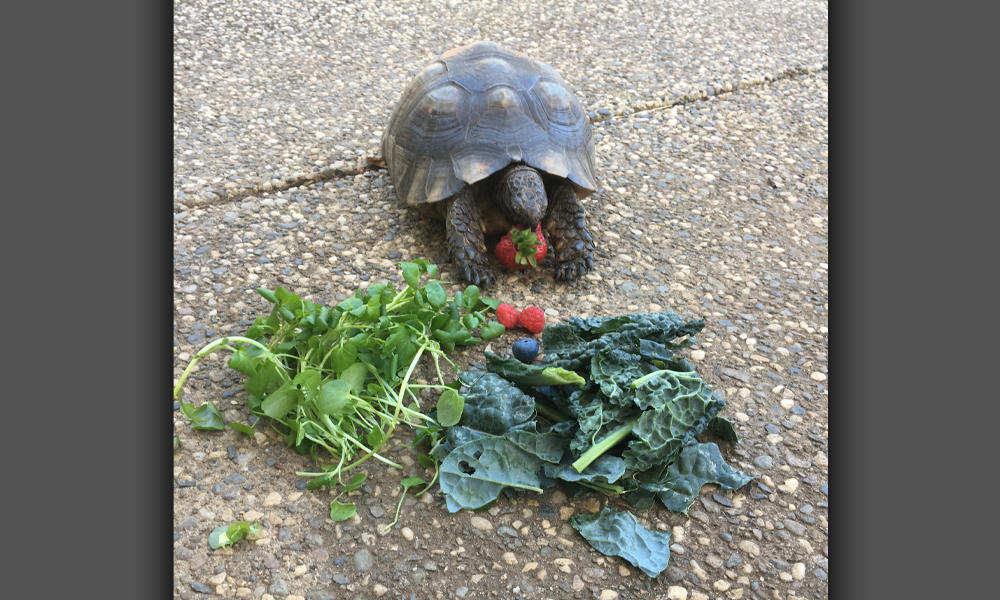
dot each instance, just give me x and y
(520, 196)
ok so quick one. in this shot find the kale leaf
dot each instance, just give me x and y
(611, 408)
(474, 474)
(493, 406)
(620, 534)
(599, 475)
(514, 370)
(679, 408)
(697, 465)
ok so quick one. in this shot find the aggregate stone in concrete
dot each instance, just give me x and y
(715, 206)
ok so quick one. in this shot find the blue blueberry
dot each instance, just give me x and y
(525, 350)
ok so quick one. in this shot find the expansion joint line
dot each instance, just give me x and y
(633, 108)
(643, 106)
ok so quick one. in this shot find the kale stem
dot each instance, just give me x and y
(550, 413)
(609, 442)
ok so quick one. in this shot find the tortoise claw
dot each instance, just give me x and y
(574, 268)
(475, 274)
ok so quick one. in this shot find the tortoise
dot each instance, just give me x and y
(485, 138)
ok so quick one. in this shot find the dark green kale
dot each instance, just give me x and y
(611, 408)
(619, 534)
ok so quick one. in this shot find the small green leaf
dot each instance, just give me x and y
(177, 442)
(187, 409)
(342, 512)
(470, 321)
(279, 402)
(419, 298)
(493, 303)
(218, 539)
(440, 321)
(207, 416)
(289, 299)
(334, 398)
(308, 383)
(318, 482)
(411, 274)
(343, 357)
(265, 381)
(375, 438)
(425, 461)
(299, 431)
(449, 408)
(227, 535)
(241, 427)
(471, 297)
(412, 481)
(255, 330)
(374, 308)
(436, 295)
(356, 482)
(355, 376)
(492, 329)
(241, 362)
(267, 294)
(236, 531)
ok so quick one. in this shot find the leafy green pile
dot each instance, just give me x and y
(339, 378)
(610, 409)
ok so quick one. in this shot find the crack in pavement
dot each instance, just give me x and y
(631, 110)
(746, 82)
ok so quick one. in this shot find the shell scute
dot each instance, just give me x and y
(476, 109)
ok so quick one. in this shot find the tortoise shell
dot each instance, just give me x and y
(475, 110)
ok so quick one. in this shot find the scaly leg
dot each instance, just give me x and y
(466, 243)
(566, 226)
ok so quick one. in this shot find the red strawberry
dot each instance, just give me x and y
(519, 248)
(507, 316)
(532, 319)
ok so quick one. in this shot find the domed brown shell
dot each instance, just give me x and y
(475, 110)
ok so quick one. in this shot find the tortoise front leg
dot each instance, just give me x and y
(466, 243)
(567, 229)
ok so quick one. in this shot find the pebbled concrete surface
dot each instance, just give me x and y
(715, 206)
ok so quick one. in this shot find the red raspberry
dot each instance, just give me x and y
(507, 316)
(532, 319)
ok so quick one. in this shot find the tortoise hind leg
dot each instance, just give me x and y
(568, 234)
(466, 243)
